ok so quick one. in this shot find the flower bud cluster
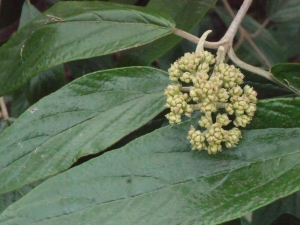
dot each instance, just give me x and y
(242, 104)
(230, 74)
(191, 63)
(178, 103)
(210, 92)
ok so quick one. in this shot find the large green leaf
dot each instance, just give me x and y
(84, 117)
(76, 30)
(47, 81)
(186, 14)
(286, 112)
(157, 179)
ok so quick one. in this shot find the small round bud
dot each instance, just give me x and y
(223, 119)
(206, 121)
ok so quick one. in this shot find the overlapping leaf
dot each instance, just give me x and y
(157, 179)
(186, 14)
(84, 117)
(76, 30)
(267, 214)
(288, 74)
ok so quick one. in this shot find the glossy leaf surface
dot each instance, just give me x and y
(157, 179)
(76, 30)
(288, 74)
(186, 14)
(84, 117)
(276, 113)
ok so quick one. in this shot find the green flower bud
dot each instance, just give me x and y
(173, 89)
(223, 119)
(202, 75)
(206, 121)
(207, 107)
(236, 91)
(231, 75)
(204, 67)
(191, 132)
(242, 120)
(222, 95)
(233, 137)
(208, 57)
(196, 138)
(251, 110)
(188, 110)
(213, 149)
(173, 118)
(229, 108)
(186, 77)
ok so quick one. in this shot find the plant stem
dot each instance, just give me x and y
(263, 25)
(226, 42)
(3, 109)
(231, 54)
(230, 33)
(246, 35)
(194, 39)
(185, 89)
(248, 67)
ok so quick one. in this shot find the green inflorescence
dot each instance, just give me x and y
(216, 94)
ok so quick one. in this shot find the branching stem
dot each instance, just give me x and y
(185, 89)
(226, 42)
(249, 67)
(247, 36)
(230, 33)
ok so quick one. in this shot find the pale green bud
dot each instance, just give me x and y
(251, 110)
(236, 91)
(223, 119)
(213, 149)
(229, 108)
(205, 121)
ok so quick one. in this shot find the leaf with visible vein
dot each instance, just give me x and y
(76, 30)
(84, 117)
